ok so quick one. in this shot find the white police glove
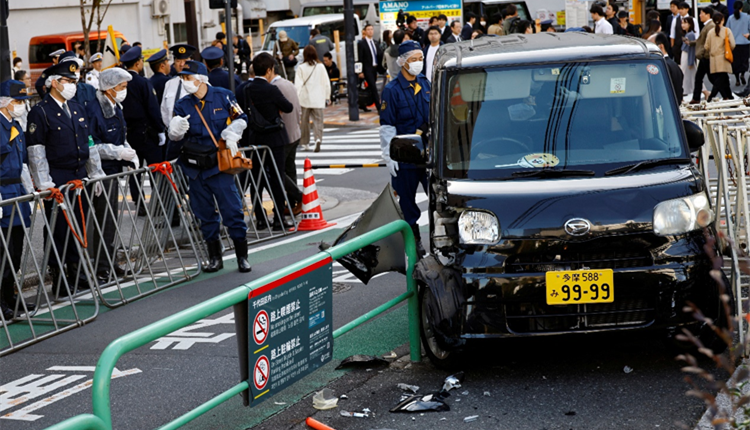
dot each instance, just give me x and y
(178, 126)
(127, 154)
(232, 146)
(1, 208)
(98, 189)
(162, 139)
(392, 167)
(136, 161)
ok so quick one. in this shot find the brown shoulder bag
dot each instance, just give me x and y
(229, 163)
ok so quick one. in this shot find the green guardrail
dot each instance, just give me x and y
(102, 417)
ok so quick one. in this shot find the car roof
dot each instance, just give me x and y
(309, 20)
(336, 3)
(540, 48)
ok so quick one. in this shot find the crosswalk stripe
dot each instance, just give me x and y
(321, 154)
(346, 139)
(326, 146)
(324, 161)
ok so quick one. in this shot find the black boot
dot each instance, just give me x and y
(58, 282)
(215, 263)
(418, 239)
(240, 249)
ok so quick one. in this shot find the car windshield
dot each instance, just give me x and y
(582, 116)
(298, 33)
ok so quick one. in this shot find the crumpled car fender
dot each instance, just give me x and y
(447, 301)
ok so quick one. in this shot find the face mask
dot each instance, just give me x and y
(415, 68)
(18, 111)
(483, 23)
(69, 91)
(190, 87)
(120, 95)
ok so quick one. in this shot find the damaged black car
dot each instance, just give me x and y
(562, 193)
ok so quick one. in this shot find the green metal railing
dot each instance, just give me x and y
(102, 418)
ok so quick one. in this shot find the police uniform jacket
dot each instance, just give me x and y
(65, 139)
(158, 81)
(12, 156)
(107, 125)
(140, 108)
(219, 77)
(215, 108)
(92, 78)
(406, 105)
(85, 94)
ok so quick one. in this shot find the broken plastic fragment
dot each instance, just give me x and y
(418, 403)
(471, 418)
(390, 356)
(279, 403)
(354, 414)
(453, 381)
(465, 393)
(324, 399)
(343, 397)
(407, 387)
(487, 393)
(627, 369)
(360, 360)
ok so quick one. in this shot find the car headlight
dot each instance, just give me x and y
(477, 228)
(682, 215)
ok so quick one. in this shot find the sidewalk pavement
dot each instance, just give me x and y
(338, 115)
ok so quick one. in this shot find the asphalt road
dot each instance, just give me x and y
(572, 382)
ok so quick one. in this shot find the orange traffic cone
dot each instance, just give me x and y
(312, 215)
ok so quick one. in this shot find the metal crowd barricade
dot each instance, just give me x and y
(726, 128)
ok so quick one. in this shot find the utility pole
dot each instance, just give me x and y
(351, 76)
(230, 46)
(191, 24)
(4, 43)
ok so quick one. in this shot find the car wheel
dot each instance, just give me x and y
(434, 344)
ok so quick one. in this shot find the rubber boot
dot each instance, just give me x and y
(58, 283)
(215, 263)
(240, 249)
(418, 239)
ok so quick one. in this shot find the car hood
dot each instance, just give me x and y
(540, 208)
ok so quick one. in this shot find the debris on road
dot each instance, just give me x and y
(390, 356)
(324, 399)
(570, 413)
(364, 414)
(627, 369)
(419, 403)
(471, 418)
(317, 425)
(465, 393)
(487, 393)
(344, 397)
(407, 387)
(360, 360)
(279, 403)
(453, 381)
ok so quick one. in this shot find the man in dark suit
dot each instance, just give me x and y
(469, 26)
(371, 57)
(675, 73)
(417, 33)
(266, 100)
(456, 33)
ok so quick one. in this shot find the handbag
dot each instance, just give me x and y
(728, 50)
(229, 163)
(257, 122)
(199, 156)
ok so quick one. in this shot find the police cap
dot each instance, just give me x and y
(57, 53)
(65, 69)
(193, 67)
(212, 53)
(96, 57)
(67, 54)
(182, 51)
(155, 58)
(132, 54)
(14, 89)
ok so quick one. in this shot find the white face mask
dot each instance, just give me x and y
(415, 68)
(120, 95)
(483, 23)
(190, 87)
(69, 91)
(18, 110)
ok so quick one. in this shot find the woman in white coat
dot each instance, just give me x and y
(314, 91)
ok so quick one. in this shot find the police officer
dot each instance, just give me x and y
(85, 93)
(159, 64)
(213, 57)
(405, 109)
(39, 84)
(108, 129)
(57, 137)
(13, 149)
(206, 182)
(92, 77)
(173, 90)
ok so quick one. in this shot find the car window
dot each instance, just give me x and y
(39, 53)
(581, 115)
(299, 33)
(328, 29)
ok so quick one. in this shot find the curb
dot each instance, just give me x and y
(722, 400)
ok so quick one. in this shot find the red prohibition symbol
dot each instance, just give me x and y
(261, 372)
(260, 327)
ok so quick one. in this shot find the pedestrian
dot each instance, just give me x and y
(481, 24)
(668, 25)
(720, 66)
(294, 133)
(13, 96)
(610, 14)
(496, 25)
(314, 90)
(208, 106)
(390, 55)
(213, 57)
(265, 102)
(687, 62)
(602, 25)
(475, 34)
(654, 28)
(442, 22)
(412, 23)
(286, 50)
(109, 132)
(242, 52)
(456, 33)
(78, 50)
(17, 64)
(739, 24)
(718, 7)
(24, 77)
(58, 149)
(527, 27)
(410, 89)
(321, 43)
(159, 65)
(675, 73)
(468, 28)
(626, 28)
(371, 58)
(386, 41)
(702, 55)
(333, 71)
(92, 77)
(173, 89)
(510, 23)
(430, 51)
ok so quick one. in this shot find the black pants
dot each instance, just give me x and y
(145, 142)
(290, 173)
(704, 68)
(275, 158)
(61, 232)
(14, 237)
(372, 88)
(721, 85)
(102, 239)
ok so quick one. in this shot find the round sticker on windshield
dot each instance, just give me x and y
(539, 160)
(652, 69)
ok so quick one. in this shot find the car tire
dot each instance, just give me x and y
(438, 352)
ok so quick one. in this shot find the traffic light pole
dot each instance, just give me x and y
(351, 76)
(4, 43)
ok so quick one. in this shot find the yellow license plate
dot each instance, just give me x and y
(580, 286)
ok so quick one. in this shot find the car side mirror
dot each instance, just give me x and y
(408, 148)
(694, 134)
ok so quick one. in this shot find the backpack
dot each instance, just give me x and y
(513, 27)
